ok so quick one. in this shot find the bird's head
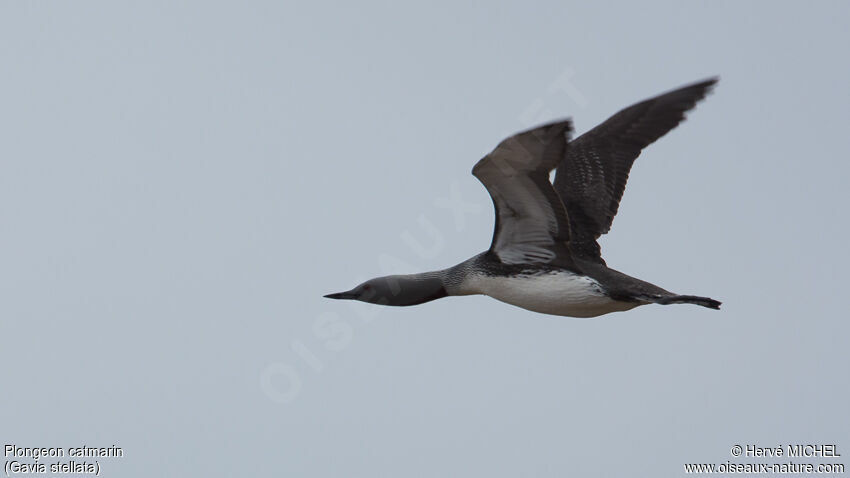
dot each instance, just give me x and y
(396, 290)
(375, 291)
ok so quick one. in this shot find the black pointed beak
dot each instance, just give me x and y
(342, 295)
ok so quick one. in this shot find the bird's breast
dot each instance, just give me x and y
(549, 292)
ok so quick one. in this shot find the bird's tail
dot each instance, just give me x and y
(689, 299)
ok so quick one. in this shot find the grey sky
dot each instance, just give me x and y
(181, 182)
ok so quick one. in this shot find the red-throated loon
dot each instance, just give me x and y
(544, 256)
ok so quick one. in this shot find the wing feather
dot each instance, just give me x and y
(592, 176)
(531, 221)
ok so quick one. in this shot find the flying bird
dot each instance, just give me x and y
(544, 255)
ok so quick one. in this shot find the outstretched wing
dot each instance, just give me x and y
(531, 221)
(593, 174)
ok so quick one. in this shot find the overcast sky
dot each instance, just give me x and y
(181, 182)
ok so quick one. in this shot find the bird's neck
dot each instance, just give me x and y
(414, 289)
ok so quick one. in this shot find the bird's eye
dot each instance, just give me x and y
(367, 287)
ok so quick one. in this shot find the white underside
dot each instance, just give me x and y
(555, 293)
